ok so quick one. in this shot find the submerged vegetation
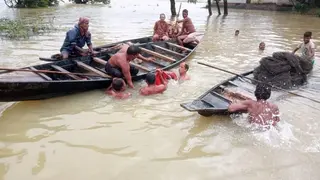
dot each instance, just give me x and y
(22, 29)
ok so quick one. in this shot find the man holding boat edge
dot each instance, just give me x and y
(78, 36)
(260, 111)
(119, 64)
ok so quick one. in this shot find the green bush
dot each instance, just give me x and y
(302, 7)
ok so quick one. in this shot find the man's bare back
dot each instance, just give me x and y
(118, 65)
(260, 112)
(151, 87)
(119, 60)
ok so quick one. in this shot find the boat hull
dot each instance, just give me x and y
(213, 101)
(36, 88)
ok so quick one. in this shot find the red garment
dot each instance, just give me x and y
(166, 75)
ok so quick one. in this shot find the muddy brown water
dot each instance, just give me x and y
(92, 136)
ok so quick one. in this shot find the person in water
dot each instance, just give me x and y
(117, 89)
(119, 64)
(307, 47)
(183, 69)
(188, 32)
(262, 46)
(236, 33)
(78, 36)
(260, 111)
(151, 87)
(161, 29)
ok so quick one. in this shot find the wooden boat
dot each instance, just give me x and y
(36, 85)
(217, 99)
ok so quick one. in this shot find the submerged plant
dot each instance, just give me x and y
(17, 29)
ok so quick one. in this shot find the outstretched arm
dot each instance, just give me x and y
(241, 106)
(126, 73)
(146, 59)
(296, 49)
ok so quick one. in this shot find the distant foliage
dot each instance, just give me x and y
(302, 7)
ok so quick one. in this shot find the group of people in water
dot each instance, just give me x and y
(260, 110)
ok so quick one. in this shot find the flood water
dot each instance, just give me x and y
(92, 136)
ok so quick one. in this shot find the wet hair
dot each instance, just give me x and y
(307, 34)
(185, 11)
(151, 78)
(262, 92)
(117, 84)
(186, 66)
(237, 31)
(133, 50)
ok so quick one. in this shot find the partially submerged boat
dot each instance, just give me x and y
(217, 99)
(72, 75)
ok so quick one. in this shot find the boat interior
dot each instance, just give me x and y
(166, 53)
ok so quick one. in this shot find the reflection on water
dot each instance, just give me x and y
(91, 136)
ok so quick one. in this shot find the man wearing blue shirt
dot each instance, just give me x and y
(78, 36)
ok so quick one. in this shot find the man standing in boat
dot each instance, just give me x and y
(119, 64)
(188, 32)
(161, 29)
(78, 36)
(260, 111)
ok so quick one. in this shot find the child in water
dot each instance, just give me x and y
(307, 47)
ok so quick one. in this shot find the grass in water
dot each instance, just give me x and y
(23, 29)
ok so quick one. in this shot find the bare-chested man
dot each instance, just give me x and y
(188, 32)
(124, 47)
(118, 65)
(117, 89)
(161, 29)
(183, 68)
(152, 88)
(260, 111)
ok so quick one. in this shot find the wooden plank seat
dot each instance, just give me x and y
(168, 50)
(158, 55)
(178, 46)
(99, 61)
(45, 77)
(64, 70)
(140, 67)
(91, 69)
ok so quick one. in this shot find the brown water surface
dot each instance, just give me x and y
(91, 136)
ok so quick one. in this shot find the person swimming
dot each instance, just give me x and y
(151, 87)
(117, 89)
